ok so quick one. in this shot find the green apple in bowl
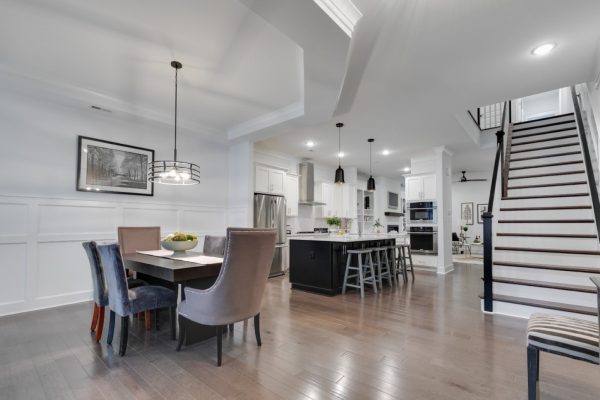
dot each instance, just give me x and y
(179, 243)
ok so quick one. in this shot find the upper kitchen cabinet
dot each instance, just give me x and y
(325, 193)
(340, 200)
(421, 187)
(269, 180)
(292, 194)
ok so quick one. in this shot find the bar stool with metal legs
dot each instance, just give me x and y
(360, 268)
(383, 267)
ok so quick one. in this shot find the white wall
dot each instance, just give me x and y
(43, 219)
(469, 192)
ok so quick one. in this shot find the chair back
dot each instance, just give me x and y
(134, 238)
(455, 237)
(238, 291)
(116, 281)
(214, 245)
(100, 294)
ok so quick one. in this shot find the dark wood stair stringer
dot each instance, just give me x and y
(565, 268)
(550, 305)
(546, 285)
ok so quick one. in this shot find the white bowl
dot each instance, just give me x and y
(179, 247)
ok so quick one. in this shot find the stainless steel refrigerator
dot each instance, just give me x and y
(269, 212)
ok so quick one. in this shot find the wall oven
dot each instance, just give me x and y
(423, 239)
(422, 212)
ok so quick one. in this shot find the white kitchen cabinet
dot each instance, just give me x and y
(325, 193)
(291, 195)
(340, 200)
(346, 201)
(420, 187)
(269, 180)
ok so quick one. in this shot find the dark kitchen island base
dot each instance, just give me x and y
(318, 265)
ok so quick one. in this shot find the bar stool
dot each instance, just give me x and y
(360, 268)
(383, 267)
(404, 256)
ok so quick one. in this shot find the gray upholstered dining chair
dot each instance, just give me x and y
(562, 335)
(237, 293)
(214, 245)
(124, 301)
(99, 288)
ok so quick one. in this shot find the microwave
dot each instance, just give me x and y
(422, 212)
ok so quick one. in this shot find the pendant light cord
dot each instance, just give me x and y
(339, 145)
(175, 148)
(371, 158)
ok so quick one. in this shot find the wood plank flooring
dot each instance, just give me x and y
(425, 340)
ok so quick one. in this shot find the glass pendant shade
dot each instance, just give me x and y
(174, 172)
(339, 172)
(371, 184)
(370, 181)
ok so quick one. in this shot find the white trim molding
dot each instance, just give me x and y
(343, 12)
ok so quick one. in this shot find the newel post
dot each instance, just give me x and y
(488, 302)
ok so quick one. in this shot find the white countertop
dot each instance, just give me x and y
(347, 238)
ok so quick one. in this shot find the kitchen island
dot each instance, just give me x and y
(318, 262)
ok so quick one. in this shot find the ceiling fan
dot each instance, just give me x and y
(464, 178)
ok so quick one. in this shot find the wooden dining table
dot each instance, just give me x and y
(176, 275)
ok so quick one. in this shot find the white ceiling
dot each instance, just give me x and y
(431, 60)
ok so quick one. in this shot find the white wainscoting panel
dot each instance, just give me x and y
(42, 262)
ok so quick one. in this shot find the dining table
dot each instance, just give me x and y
(195, 270)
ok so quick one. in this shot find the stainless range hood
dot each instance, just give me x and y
(307, 185)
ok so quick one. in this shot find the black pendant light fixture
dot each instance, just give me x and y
(371, 181)
(339, 172)
(174, 172)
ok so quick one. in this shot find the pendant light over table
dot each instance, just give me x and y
(371, 181)
(339, 172)
(174, 172)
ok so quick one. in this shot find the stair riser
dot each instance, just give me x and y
(586, 228)
(557, 159)
(548, 243)
(542, 180)
(519, 133)
(547, 258)
(547, 214)
(517, 310)
(562, 277)
(520, 136)
(555, 295)
(580, 188)
(516, 147)
(574, 146)
(548, 202)
(544, 170)
(528, 124)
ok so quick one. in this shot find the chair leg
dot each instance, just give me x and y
(533, 372)
(348, 259)
(94, 318)
(147, 320)
(361, 277)
(100, 325)
(374, 281)
(379, 279)
(111, 327)
(412, 269)
(231, 328)
(181, 338)
(124, 335)
(156, 319)
(173, 318)
(219, 345)
(257, 329)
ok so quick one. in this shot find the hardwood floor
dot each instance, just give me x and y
(426, 340)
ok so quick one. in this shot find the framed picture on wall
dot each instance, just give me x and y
(110, 167)
(481, 208)
(466, 213)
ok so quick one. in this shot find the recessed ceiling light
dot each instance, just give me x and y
(310, 144)
(385, 152)
(341, 154)
(543, 49)
(406, 169)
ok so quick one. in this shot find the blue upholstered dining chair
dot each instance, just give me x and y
(124, 301)
(237, 293)
(562, 335)
(99, 287)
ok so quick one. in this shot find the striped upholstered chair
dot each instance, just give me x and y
(565, 336)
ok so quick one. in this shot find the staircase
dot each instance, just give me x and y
(545, 243)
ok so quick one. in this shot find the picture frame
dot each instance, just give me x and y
(466, 213)
(481, 208)
(110, 167)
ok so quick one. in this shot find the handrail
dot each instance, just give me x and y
(589, 170)
(500, 166)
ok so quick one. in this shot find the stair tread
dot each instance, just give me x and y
(558, 164)
(577, 172)
(536, 208)
(550, 235)
(551, 305)
(528, 135)
(567, 268)
(542, 250)
(568, 153)
(548, 185)
(545, 221)
(545, 196)
(543, 119)
(545, 284)
(521, 143)
(546, 125)
(554, 146)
